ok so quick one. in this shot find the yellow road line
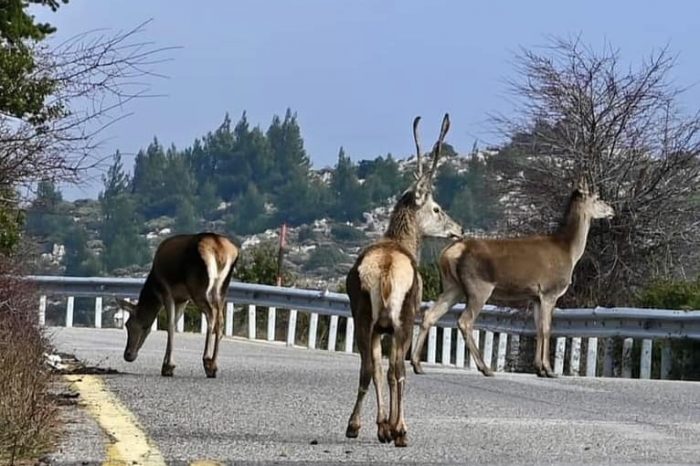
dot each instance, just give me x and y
(129, 443)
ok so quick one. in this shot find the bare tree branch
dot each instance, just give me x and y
(579, 114)
(94, 76)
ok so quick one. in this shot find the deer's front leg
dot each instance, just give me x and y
(547, 309)
(443, 304)
(168, 368)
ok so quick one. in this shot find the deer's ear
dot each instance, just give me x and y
(126, 305)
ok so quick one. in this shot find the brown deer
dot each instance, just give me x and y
(533, 268)
(185, 267)
(385, 290)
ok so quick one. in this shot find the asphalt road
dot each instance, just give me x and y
(276, 404)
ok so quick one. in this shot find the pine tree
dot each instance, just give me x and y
(47, 219)
(350, 199)
(120, 221)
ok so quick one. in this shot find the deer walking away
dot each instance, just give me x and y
(185, 268)
(385, 291)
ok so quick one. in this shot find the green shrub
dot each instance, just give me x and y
(326, 255)
(682, 295)
(259, 265)
(671, 294)
(431, 281)
(343, 232)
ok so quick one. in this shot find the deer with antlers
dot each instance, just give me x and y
(385, 291)
(185, 268)
(533, 268)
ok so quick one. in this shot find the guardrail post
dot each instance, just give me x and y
(349, 334)
(446, 345)
(271, 323)
(501, 355)
(313, 327)
(459, 357)
(292, 327)
(575, 358)
(251, 321)
(472, 362)
(202, 323)
(414, 341)
(627, 345)
(180, 325)
(332, 333)
(514, 353)
(432, 344)
(42, 310)
(666, 359)
(488, 348)
(609, 357)
(69, 311)
(591, 357)
(559, 355)
(645, 359)
(98, 312)
(229, 319)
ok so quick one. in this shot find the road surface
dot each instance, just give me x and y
(282, 405)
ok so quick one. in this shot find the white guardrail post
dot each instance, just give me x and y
(271, 321)
(584, 327)
(229, 319)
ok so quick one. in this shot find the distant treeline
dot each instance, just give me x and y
(247, 180)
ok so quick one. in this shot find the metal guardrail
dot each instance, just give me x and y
(497, 328)
(596, 322)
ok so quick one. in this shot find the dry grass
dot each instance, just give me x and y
(27, 415)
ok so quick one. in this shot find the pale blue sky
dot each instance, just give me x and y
(357, 72)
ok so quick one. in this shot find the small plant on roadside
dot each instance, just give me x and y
(27, 415)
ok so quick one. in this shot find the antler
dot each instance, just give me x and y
(419, 163)
(437, 150)
(582, 184)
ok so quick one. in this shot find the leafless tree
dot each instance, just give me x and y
(93, 75)
(582, 112)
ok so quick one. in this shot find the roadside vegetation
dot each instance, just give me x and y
(54, 99)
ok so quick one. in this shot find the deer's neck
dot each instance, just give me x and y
(575, 233)
(402, 229)
(149, 300)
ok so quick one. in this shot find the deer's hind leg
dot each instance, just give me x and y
(363, 340)
(383, 427)
(210, 340)
(477, 297)
(401, 342)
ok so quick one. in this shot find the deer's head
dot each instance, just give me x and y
(137, 329)
(431, 219)
(590, 203)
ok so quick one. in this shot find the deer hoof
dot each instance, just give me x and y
(167, 370)
(488, 373)
(384, 432)
(550, 373)
(352, 431)
(417, 368)
(210, 368)
(401, 440)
